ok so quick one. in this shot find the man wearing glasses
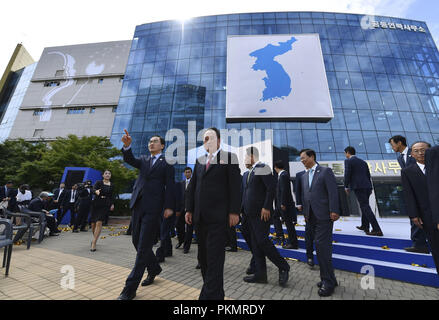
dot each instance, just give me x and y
(152, 198)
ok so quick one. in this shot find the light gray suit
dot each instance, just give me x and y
(318, 202)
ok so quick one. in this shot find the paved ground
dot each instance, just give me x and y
(37, 274)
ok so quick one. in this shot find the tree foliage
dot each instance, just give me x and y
(42, 166)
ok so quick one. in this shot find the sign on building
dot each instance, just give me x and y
(276, 77)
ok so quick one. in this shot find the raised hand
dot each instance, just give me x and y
(126, 139)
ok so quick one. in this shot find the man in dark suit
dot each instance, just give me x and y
(432, 172)
(4, 191)
(58, 199)
(309, 231)
(416, 191)
(184, 230)
(38, 204)
(212, 205)
(69, 203)
(285, 204)
(257, 204)
(245, 223)
(357, 178)
(153, 197)
(405, 159)
(321, 208)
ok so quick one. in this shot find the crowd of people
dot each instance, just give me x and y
(213, 198)
(89, 205)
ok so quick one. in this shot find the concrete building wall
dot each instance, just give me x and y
(67, 83)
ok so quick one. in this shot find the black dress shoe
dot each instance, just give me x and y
(75, 230)
(321, 283)
(53, 234)
(198, 266)
(125, 295)
(325, 291)
(310, 262)
(185, 251)
(230, 249)
(150, 279)
(254, 279)
(249, 271)
(283, 277)
(178, 245)
(417, 250)
(290, 246)
(362, 228)
(374, 233)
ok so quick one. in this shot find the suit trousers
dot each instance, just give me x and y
(309, 240)
(418, 236)
(165, 248)
(245, 231)
(212, 239)
(232, 239)
(262, 247)
(363, 198)
(60, 214)
(323, 241)
(277, 223)
(432, 234)
(180, 227)
(73, 213)
(82, 216)
(144, 233)
(289, 218)
(189, 230)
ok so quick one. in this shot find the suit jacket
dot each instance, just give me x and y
(214, 193)
(180, 196)
(322, 196)
(432, 173)
(36, 204)
(410, 159)
(259, 191)
(3, 193)
(155, 186)
(283, 191)
(415, 188)
(61, 197)
(356, 174)
(298, 187)
(68, 195)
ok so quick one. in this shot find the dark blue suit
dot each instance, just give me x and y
(259, 192)
(357, 178)
(152, 193)
(418, 236)
(318, 201)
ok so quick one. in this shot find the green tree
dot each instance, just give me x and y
(16, 152)
(94, 152)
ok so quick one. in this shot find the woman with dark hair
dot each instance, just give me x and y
(102, 205)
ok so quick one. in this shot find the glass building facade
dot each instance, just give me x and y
(383, 81)
(13, 97)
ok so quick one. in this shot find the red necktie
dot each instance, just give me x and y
(209, 159)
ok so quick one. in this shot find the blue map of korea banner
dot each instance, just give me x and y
(276, 77)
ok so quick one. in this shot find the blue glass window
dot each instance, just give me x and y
(361, 99)
(351, 118)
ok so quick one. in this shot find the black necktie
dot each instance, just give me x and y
(152, 162)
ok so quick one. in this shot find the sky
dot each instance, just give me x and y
(46, 23)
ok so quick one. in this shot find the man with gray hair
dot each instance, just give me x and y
(38, 204)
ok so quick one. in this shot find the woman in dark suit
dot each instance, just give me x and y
(102, 205)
